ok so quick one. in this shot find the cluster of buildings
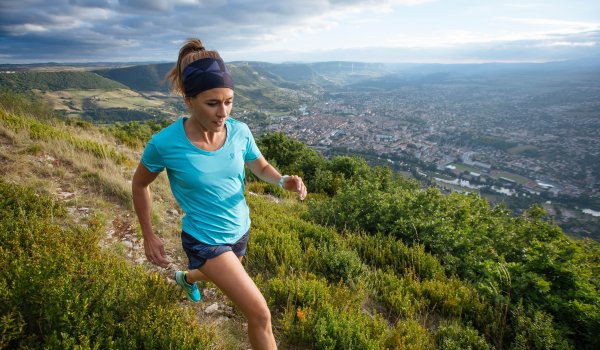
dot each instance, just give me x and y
(432, 126)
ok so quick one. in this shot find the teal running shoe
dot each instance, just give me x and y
(191, 290)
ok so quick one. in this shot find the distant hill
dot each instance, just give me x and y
(507, 75)
(287, 74)
(149, 77)
(53, 81)
(301, 76)
(257, 87)
(322, 74)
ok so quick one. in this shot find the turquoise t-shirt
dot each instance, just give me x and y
(209, 186)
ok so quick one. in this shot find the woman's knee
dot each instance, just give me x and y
(260, 316)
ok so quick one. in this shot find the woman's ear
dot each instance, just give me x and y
(188, 102)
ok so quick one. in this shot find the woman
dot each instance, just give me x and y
(205, 155)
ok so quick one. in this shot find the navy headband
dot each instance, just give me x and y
(205, 74)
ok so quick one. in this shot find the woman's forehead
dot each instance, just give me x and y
(217, 93)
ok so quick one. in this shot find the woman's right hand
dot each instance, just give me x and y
(155, 250)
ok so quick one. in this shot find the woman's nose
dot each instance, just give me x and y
(222, 110)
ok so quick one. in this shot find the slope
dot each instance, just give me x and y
(341, 272)
(149, 77)
(53, 81)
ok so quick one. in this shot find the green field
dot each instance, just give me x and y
(463, 167)
(73, 100)
(517, 178)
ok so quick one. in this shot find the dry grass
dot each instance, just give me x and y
(97, 191)
(72, 100)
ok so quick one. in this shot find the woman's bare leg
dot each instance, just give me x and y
(227, 273)
(197, 275)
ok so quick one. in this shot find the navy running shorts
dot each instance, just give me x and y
(198, 253)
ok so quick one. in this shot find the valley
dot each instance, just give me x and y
(518, 134)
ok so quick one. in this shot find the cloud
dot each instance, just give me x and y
(102, 4)
(151, 30)
(91, 28)
(556, 48)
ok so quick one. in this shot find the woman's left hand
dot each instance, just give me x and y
(294, 183)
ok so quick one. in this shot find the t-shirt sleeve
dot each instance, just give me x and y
(151, 159)
(252, 152)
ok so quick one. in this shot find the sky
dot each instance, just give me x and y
(439, 31)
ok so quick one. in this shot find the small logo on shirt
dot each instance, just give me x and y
(231, 155)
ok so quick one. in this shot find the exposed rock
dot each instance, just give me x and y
(65, 195)
(225, 309)
(47, 158)
(212, 308)
(209, 292)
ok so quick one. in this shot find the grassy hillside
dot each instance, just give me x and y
(149, 77)
(255, 87)
(53, 81)
(370, 261)
(87, 95)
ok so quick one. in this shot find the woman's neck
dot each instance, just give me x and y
(202, 137)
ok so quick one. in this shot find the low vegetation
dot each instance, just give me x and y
(370, 261)
(59, 290)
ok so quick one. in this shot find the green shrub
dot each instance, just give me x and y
(385, 252)
(333, 329)
(337, 264)
(136, 134)
(271, 250)
(398, 295)
(535, 330)
(454, 336)
(58, 290)
(297, 291)
(455, 298)
(315, 236)
(545, 268)
(409, 335)
(330, 327)
(323, 316)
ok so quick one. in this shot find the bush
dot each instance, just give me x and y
(273, 249)
(409, 335)
(454, 336)
(544, 267)
(324, 316)
(59, 290)
(535, 330)
(398, 295)
(387, 252)
(337, 264)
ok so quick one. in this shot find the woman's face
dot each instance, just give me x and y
(211, 108)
